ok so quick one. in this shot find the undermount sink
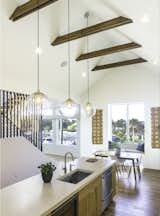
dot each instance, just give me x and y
(75, 176)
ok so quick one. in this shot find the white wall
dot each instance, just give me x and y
(1, 47)
(61, 149)
(137, 83)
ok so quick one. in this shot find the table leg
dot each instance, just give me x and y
(134, 169)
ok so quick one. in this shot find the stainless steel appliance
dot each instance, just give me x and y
(107, 188)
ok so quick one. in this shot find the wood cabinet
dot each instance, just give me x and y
(90, 199)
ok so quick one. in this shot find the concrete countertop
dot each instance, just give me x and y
(31, 197)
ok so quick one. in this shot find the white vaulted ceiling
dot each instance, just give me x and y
(19, 42)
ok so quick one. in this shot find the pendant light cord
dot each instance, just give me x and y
(88, 75)
(69, 53)
(38, 48)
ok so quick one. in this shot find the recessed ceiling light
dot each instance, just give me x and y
(84, 74)
(145, 19)
(38, 50)
(155, 62)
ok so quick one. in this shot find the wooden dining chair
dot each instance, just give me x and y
(137, 165)
(120, 167)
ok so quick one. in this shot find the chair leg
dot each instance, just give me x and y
(117, 172)
(129, 173)
(138, 168)
(139, 172)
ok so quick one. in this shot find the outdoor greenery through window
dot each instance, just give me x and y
(59, 130)
(48, 132)
(127, 124)
(68, 129)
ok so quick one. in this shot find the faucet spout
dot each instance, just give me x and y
(65, 160)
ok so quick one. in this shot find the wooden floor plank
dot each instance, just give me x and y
(142, 199)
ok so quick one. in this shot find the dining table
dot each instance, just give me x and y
(132, 156)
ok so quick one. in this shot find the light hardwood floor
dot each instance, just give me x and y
(142, 199)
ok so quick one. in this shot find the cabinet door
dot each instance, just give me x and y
(114, 181)
(90, 199)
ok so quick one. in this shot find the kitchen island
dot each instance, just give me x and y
(31, 197)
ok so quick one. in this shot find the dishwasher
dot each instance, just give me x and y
(107, 189)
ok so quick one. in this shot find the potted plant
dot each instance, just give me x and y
(47, 171)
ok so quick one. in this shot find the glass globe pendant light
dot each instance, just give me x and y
(38, 97)
(69, 108)
(89, 109)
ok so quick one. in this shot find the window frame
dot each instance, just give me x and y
(127, 119)
(58, 140)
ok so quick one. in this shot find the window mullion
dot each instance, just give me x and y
(127, 123)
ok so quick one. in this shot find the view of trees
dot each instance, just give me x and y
(46, 125)
(66, 128)
(70, 125)
(136, 131)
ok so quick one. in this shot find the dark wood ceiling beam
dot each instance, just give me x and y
(119, 64)
(29, 7)
(116, 22)
(107, 51)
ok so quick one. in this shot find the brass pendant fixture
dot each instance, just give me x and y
(69, 108)
(89, 109)
(38, 97)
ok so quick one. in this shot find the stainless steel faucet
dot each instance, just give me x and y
(65, 161)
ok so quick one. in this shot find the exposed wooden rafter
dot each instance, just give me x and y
(116, 22)
(29, 7)
(107, 51)
(119, 64)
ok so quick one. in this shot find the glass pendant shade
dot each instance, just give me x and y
(69, 109)
(89, 110)
(40, 101)
(39, 98)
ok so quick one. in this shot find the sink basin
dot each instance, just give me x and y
(75, 177)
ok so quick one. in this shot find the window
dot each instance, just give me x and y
(48, 131)
(68, 131)
(59, 130)
(127, 124)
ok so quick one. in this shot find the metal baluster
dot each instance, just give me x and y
(14, 114)
(17, 115)
(33, 122)
(20, 114)
(40, 125)
(1, 114)
(11, 103)
(27, 120)
(4, 128)
(7, 114)
(31, 109)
